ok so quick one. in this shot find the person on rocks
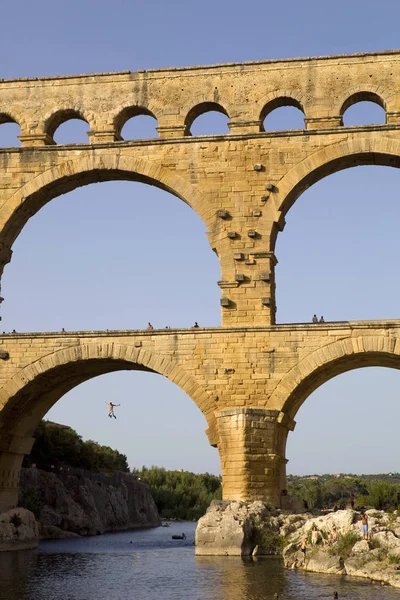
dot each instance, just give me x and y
(364, 523)
(111, 409)
(352, 500)
(314, 535)
(303, 547)
(196, 325)
(334, 535)
(149, 326)
(315, 319)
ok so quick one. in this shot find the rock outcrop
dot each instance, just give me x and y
(19, 530)
(232, 528)
(239, 528)
(73, 505)
(343, 551)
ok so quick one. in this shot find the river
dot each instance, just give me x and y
(148, 565)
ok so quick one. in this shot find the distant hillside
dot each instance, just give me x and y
(380, 491)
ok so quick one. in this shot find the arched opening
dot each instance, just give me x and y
(363, 108)
(207, 118)
(9, 132)
(135, 123)
(157, 423)
(68, 127)
(114, 255)
(282, 114)
(340, 244)
(348, 425)
(153, 411)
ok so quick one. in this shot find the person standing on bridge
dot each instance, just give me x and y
(111, 409)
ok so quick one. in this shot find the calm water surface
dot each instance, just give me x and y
(155, 567)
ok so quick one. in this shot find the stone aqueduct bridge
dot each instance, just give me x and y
(249, 383)
(250, 376)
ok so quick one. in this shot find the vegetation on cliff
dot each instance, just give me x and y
(378, 491)
(180, 494)
(60, 445)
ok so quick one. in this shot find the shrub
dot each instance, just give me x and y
(393, 559)
(344, 545)
(374, 543)
(16, 520)
(32, 501)
(270, 542)
(382, 554)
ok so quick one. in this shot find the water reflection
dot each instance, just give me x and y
(149, 565)
(15, 571)
(235, 578)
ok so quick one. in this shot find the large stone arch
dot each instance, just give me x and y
(91, 168)
(26, 398)
(62, 370)
(383, 151)
(329, 361)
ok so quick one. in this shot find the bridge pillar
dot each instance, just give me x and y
(251, 446)
(12, 451)
(248, 298)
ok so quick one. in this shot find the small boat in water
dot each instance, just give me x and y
(179, 537)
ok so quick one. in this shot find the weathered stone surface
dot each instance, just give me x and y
(228, 528)
(250, 377)
(80, 506)
(18, 530)
(361, 547)
(238, 528)
(341, 519)
(321, 562)
(368, 559)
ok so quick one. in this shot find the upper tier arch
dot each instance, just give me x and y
(75, 173)
(323, 86)
(335, 157)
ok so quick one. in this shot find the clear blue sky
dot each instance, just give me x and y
(74, 267)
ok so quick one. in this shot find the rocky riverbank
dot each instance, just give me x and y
(238, 528)
(69, 505)
(18, 530)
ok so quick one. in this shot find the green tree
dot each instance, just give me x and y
(383, 495)
(180, 494)
(60, 445)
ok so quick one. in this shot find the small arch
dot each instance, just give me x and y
(290, 115)
(9, 131)
(367, 113)
(143, 127)
(213, 126)
(72, 135)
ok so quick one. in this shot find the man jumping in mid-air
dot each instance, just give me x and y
(111, 409)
